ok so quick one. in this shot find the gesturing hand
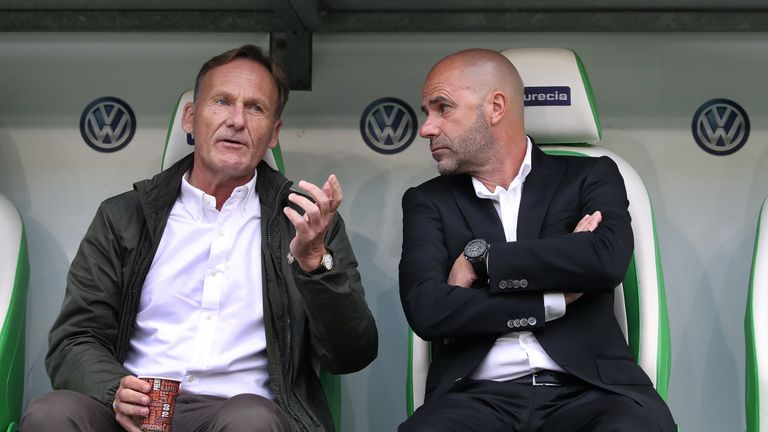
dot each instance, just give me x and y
(308, 246)
(131, 400)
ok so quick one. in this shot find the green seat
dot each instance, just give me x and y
(14, 278)
(177, 145)
(756, 330)
(562, 123)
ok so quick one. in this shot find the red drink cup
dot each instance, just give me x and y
(161, 405)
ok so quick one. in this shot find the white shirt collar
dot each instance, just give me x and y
(525, 168)
(196, 202)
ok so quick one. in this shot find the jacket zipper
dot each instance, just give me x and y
(284, 295)
(130, 306)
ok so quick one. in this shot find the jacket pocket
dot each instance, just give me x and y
(621, 371)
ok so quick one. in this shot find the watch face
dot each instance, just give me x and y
(327, 261)
(475, 249)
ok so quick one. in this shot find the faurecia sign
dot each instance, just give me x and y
(547, 96)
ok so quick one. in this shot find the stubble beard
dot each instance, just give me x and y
(470, 150)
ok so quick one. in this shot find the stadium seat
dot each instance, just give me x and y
(756, 330)
(14, 279)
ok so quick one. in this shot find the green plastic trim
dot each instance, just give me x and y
(752, 388)
(168, 132)
(277, 152)
(664, 343)
(12, 342)
(590, 94)
(332, 388)
(552, 152)
(632, 307)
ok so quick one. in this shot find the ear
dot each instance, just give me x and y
(498, 103)
(187, 119)
(275, 133)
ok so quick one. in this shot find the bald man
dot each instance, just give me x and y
(508, 266)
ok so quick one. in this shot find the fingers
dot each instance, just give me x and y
(329, 197)
(572, 297)
(462, 274)
(308, 246)
(589, 222)
(313, 212)
(131, 400)
(335, 188)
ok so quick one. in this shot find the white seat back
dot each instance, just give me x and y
(756, 330)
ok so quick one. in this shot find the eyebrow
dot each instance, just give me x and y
(433, 101)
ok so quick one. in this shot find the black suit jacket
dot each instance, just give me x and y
(441, 215)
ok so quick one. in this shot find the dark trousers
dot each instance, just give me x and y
(490, 406)
(65, 411)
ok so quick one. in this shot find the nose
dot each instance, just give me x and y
(429, 129)
(236, 117)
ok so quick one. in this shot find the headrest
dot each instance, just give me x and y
(179, 143)
(559, 105)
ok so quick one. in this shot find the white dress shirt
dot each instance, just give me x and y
(518, 353)
(201, 317)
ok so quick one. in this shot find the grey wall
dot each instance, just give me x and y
(647, 87)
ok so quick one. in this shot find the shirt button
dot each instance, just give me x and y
(208, 316)
(220, 233)
(214, 273)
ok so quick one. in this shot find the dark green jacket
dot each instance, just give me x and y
(309, 319)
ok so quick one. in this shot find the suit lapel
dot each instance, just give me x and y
(479, 213)
(538, 189)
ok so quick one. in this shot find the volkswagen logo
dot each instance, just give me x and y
(388, 125)
(720, 126)
(107, 124)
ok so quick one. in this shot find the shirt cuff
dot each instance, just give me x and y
(554, 305)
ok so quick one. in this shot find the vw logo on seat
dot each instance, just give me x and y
(388, 125)
(107, 124)
(720, 126)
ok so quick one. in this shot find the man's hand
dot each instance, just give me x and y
(588, 223)
(131, 400)
(308, 246)
(462, 274)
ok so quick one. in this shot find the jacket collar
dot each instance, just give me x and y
(479, 213)
(159, 193)
(539, 186)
